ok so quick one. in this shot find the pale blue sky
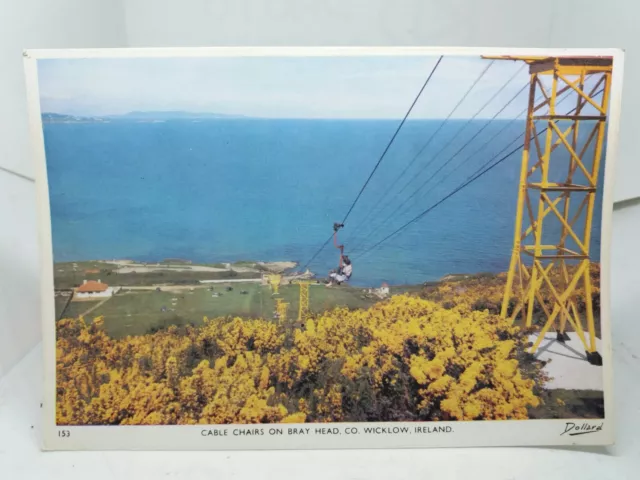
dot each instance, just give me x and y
(281, 87)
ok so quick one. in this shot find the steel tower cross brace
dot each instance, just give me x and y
(554, 264)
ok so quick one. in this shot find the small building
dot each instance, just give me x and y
(92, 270)
(93, 289)
(381, 292)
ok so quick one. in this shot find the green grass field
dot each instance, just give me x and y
(176, 261)
(71, 274)
(75, 309)
(321, 298)
(60, 305)
(140, 312)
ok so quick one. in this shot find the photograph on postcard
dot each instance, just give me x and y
(327, 239)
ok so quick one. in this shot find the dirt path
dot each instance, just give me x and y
(172, 268)
(202, 284)
(99, 304)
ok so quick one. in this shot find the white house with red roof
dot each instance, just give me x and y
(93, 289)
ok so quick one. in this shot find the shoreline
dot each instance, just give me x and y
(125, 266)
(182, 271)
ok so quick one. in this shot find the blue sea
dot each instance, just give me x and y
(263, 189)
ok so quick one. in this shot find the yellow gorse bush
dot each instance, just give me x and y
(404, 359)
(485, 291)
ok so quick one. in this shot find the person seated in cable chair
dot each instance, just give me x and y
(342, 274)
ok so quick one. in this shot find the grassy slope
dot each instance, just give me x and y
(75, 309)
(66, 276)
(136, 313)
(60, 304)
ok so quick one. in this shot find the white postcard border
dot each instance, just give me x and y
(189, 437)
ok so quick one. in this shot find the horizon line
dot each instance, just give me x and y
(238, 116)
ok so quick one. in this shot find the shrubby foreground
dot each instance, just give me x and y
(485, 291)
(405, 359)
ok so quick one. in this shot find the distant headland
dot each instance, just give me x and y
(139, 116)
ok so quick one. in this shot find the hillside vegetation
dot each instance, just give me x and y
(485, 291)
(403, 359)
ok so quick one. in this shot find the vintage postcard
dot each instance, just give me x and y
(325, 247)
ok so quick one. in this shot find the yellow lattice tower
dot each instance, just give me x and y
(281, 309)
(303, 303)
(540, 256)
(274, 281)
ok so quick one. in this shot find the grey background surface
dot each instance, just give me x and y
(159, 23)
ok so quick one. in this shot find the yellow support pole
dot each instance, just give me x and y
(281, 310)
(303, 303)
(522, 191)
(544, 181)
(274, 281)
(591, 348)
(553, 271)
(567, 201)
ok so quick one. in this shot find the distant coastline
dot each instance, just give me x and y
(163, 116)
(139, 116)
(176, 272)
(179, 264)
(60, 118)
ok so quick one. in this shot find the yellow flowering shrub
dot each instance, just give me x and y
(407, 358)
(485, 291)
